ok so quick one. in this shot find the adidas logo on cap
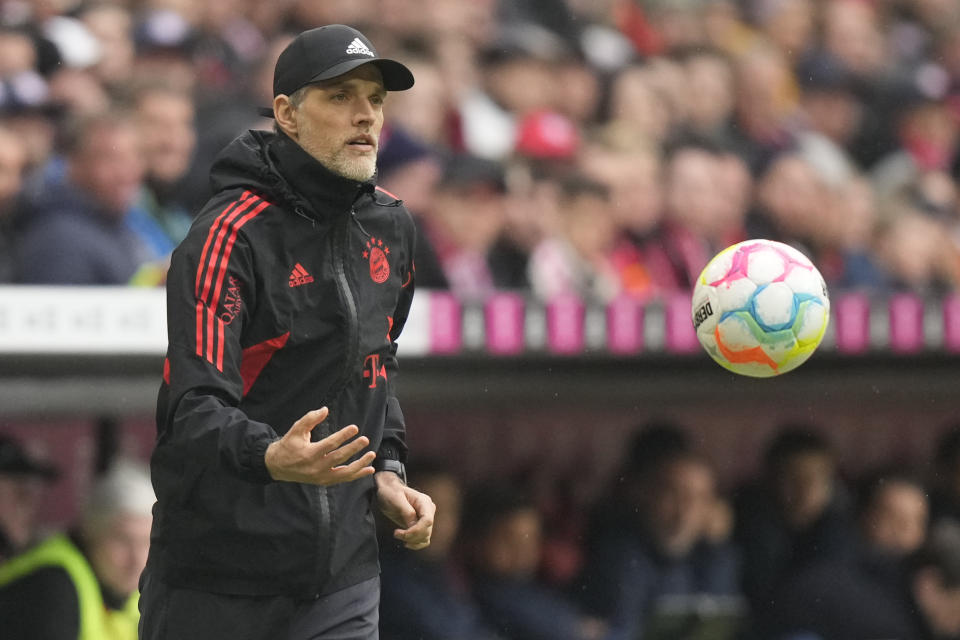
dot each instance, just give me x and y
(357, 47)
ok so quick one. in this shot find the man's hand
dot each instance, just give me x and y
(411, 510)
(294, 458)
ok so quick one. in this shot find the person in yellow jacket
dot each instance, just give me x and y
(82, 585)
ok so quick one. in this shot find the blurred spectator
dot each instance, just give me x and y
(78, 91)
(13, 161)
(530, 216)
(632, 170)
(788, 24)
(637, 108)
(766, 104)
(797, 513)
(427, 113)
(456, 233)
(165, 45)
(22, 480)
(924, 607)
(18, 52)
(710, 102)
(77, 229)
(576, 260)
(945, 477)
(703, 211)
(503, 548)
(408, 167)
(914, 250)
(846, 237)
(659, 559)
(790, 200)
(831, 116)
(83, 584)
(112, 25)
(426, 595)
(165, 125)
(27, 109)
(518, 78)
(839, 600)
(893, 512)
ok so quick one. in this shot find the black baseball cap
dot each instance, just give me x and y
(14, 460)
(327, 52)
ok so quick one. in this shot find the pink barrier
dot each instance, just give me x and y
(951, 324)
(504, 319)
(625, 326)
(681, 337)
(906, 323)
(852, 323)
(565, 325)
(446, 325)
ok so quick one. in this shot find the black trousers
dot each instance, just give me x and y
(167, 613)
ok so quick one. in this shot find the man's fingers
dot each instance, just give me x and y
(335, 440)
(359, 467)
(310, 420)
(341, 454)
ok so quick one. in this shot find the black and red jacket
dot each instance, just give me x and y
(287, 295)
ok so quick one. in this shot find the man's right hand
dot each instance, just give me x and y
(294, 458)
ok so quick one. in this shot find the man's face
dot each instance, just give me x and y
(118, 552)
(339, 121)
(680, 506)
(165, 125)
(19, 500)
(109, 168)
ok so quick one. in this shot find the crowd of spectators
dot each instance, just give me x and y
(800, 551)
(594, 147)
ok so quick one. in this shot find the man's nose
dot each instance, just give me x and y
(365, 113)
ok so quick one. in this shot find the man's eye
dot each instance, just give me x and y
(339, 97)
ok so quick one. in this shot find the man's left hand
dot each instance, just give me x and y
(411, 510)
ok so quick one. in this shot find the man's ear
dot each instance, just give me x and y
(283, 113)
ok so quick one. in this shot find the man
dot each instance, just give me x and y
(425, 595)
(75, 226)
(287, 295)
(165, 123)
(839, 599)
(83, 585)
(657, 561)
(22, 479)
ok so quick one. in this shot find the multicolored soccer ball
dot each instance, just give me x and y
(760, 308)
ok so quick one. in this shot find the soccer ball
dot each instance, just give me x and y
(760, 308)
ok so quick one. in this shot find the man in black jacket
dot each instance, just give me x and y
(288, 294)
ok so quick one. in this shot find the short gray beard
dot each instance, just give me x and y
(359, 169)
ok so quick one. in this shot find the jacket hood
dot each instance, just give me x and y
(278, 168)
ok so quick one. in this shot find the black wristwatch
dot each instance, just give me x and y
(395, 466)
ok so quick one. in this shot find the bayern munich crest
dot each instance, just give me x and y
(376, 252)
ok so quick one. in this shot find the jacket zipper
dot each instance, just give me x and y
(341, 243)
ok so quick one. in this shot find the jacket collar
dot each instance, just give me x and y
(324, 191)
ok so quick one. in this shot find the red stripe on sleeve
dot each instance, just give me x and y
(209, 334)
(228, 248)
(220, 344)
(199, 328)
(218, 244)
(210, 236)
